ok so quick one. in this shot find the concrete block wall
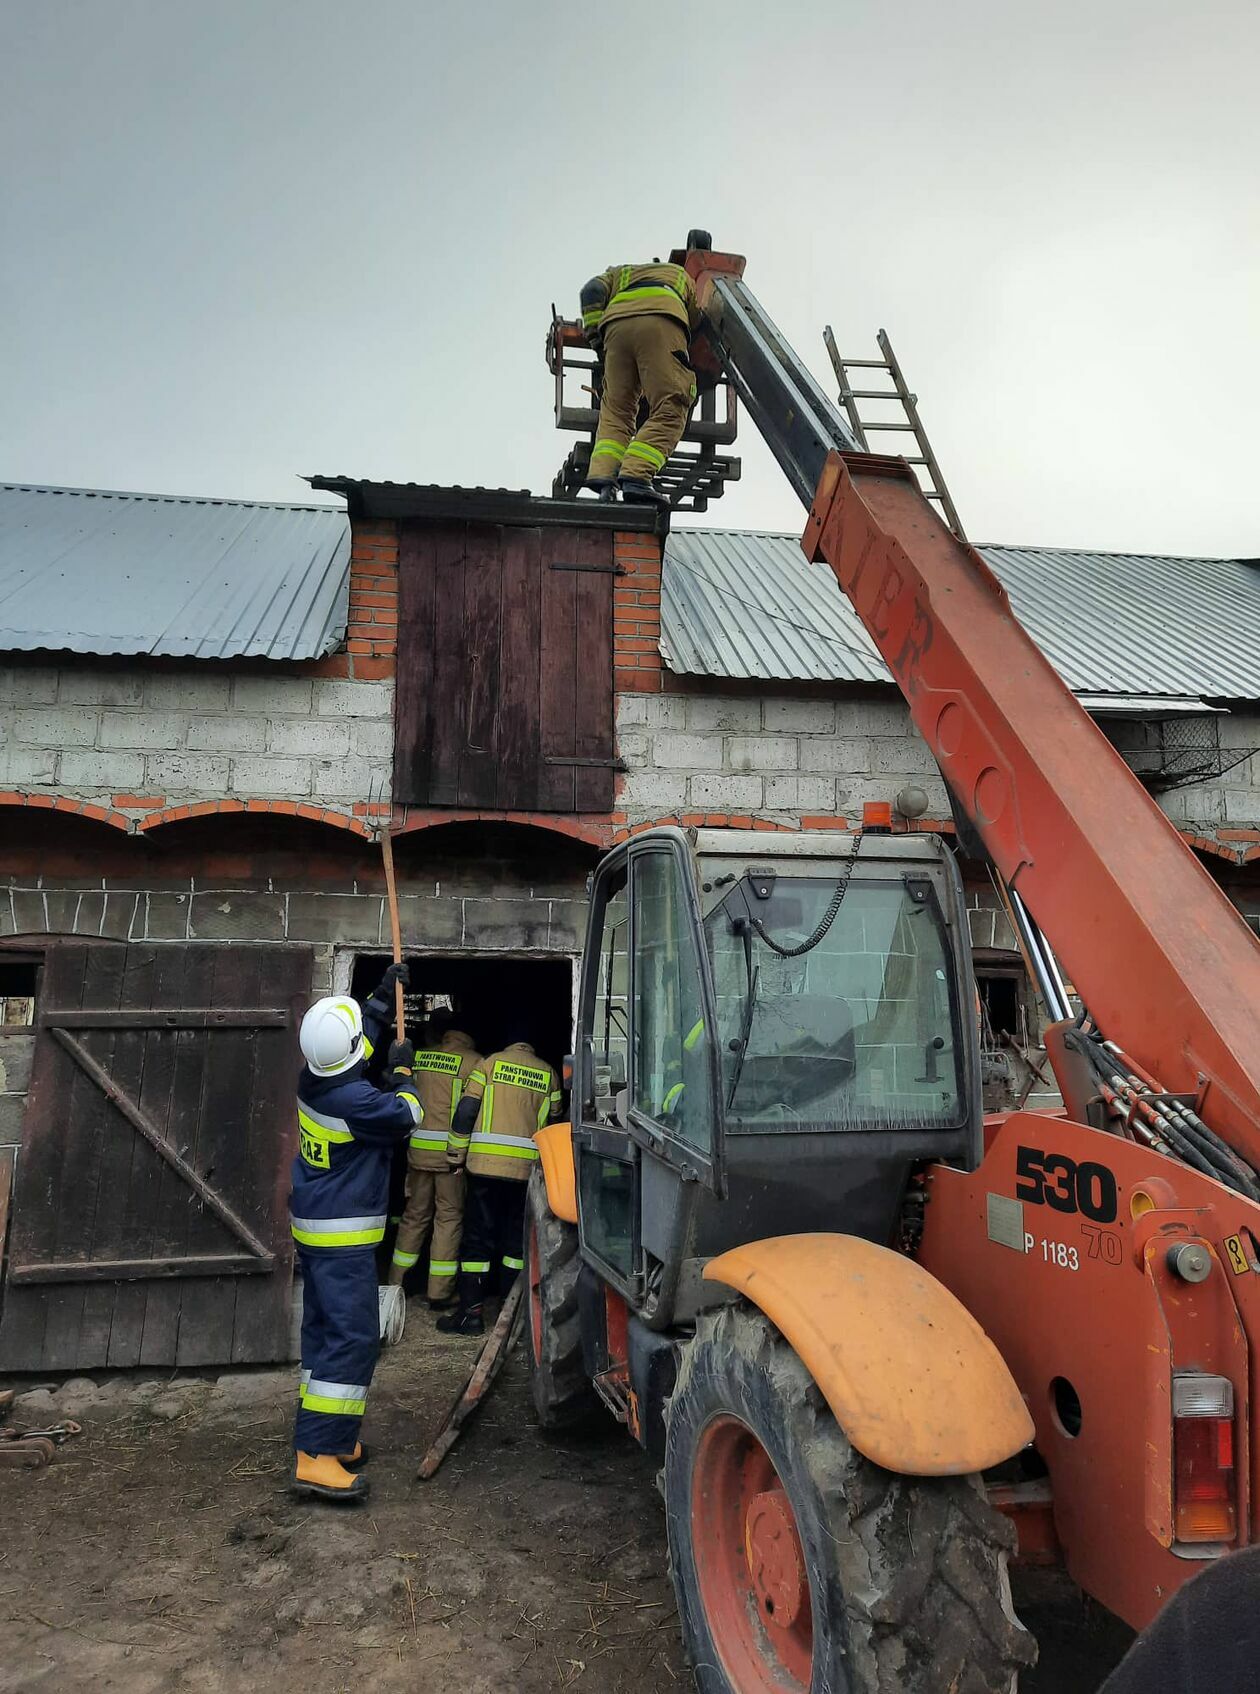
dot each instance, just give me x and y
(795, 762)
(807, 763)
(137, 740)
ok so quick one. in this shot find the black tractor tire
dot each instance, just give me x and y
(563, 1396)
(908, 1590)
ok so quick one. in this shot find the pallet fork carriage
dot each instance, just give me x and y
(872, 1335)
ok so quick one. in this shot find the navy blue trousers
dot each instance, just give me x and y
(341, 1339)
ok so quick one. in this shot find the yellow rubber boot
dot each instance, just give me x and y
(324, 1477)
(355, 1460)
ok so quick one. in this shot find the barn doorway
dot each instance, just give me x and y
(492, 998)
(495, 1000)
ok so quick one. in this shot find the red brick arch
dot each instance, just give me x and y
(256, 808)
(61, 803)
(595, 831)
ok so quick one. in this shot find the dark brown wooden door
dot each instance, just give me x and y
(505, 676)
(149, 1218)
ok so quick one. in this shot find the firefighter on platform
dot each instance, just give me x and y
(639, 319)
(348, 1130)
(435, 1188)
(508, 1097)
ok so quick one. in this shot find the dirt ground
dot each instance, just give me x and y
(160, 1552)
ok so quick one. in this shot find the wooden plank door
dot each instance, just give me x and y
(505, 668)
(149, 1218)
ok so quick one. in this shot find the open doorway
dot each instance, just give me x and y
(495, 1000)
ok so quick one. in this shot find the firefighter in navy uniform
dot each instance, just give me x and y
(639, 319)
(348, 1131)
(507, 1098)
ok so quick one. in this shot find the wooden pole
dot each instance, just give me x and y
(395, 928)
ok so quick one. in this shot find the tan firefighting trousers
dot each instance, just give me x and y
(437, 1198)
(643, 356)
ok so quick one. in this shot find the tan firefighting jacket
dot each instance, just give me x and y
(440, 1076)
(519, 1093)
(631, 291)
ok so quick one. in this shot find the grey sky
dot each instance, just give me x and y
(242, 241)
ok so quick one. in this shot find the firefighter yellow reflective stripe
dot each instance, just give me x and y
(673, 1097)
(429, 1143)
(335, 1129)
(457, 1142)
(417, 1110)
(404, 1261)
(591, 318)
(642, 450)
(510, 1263)
(339, 1399)
(503, 1146)
(625, 275)
(644, 291)
(339, 1232)
(693, 1035)
(442, 1267)
(477, 1076)
(474, 1267)
(608, 449)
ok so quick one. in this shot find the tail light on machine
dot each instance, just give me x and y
(1203, 1458)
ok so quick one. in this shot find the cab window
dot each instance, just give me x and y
(671, 1063)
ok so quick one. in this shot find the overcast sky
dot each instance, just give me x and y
(241, 240)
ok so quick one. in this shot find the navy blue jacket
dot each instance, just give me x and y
(348, 1129)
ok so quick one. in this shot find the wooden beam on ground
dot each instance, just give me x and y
(489, 1363)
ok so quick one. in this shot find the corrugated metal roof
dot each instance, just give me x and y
(742, 603)
(86, 571)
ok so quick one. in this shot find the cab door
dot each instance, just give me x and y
(647, 1101)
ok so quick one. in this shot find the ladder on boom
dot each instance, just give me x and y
(910, 423)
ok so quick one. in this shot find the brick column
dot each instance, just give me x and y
(637, 666)
(372, 633)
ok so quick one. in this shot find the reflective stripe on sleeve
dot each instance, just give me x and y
(417, 1110)
(693, 1035)
(339, 1232)
(477, 1076)
(673, 1097)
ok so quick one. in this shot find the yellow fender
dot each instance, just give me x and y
(555, 1152)
(912, 1379)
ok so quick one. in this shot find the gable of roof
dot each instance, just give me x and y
(86, 571)
(747, 604)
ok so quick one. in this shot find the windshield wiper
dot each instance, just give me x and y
(744, 1032)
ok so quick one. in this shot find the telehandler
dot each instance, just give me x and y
(878, 1340)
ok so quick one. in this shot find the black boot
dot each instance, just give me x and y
(604, 486)
(638, 492)
(464, 1320)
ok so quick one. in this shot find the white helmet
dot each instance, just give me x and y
(331, 1037)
